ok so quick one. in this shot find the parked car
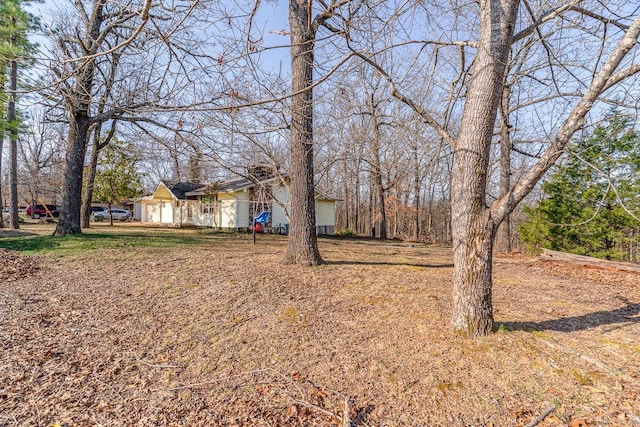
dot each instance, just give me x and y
(118, 214)
(40, 210)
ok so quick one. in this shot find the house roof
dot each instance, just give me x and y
(228, 186)
(188, 190)
(179, 190)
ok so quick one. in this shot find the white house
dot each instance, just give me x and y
(230, 204)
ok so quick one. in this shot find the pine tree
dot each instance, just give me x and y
(15, 50)
(590, 201)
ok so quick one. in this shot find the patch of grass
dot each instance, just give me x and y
(291, 314)
(580, 377)
(347, 232)
(78, 243)
(622, 345)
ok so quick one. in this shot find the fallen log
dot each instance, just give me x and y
(586, 261)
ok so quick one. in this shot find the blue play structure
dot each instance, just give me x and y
(263, 218)
(259, 223)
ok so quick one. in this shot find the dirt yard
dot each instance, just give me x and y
(211, 330)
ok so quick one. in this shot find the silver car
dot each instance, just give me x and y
(118, 214)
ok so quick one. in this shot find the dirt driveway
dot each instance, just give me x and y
(186, 328)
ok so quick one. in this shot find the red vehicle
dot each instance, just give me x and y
(40, 210)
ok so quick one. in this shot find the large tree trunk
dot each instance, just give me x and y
(472, 224)
(13, 145)
(69, 219)
(1, 203)
(3, 79)
(79, 125)
(303, 244)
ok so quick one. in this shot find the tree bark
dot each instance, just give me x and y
(377, 169)
(472, 224)
(13, 145)
(3, 78)
(416, 193)
(69, 219)
(303, 244)
(93, 164)
(504, 230)
(78, 137)
(85, 210)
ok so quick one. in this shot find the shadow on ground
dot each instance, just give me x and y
(627, 314)
(410, 264)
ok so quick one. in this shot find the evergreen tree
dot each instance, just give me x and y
(15, 50)
(591, 201)
(116, 179)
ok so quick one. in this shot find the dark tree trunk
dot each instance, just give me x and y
(377, 170)
(13, 145)
(3, 78)
(93, 164)
(379, 190)
(504, 230)
(416, 194)
(472, 224)
(79, 125)
(69, 219)
(303, 244)
(1, 203)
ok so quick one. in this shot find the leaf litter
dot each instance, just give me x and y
(222, 334)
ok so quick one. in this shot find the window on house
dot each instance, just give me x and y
(209, 205)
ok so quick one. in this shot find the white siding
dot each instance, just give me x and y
(227, 210)
(151, 212)
(137, 211)
(203, 220)
(325, 212)
(166, 212)
(278, 216)
(242, 210)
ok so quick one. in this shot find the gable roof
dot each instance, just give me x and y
(179, 190)
(229, 186)
(189, 190)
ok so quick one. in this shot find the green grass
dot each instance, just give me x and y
(76, 243)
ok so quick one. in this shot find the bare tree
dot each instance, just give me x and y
(474, 219)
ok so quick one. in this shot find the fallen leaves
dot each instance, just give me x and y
(98, 338)
(14, 266)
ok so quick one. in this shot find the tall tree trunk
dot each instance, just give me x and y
(69, 219)
(356, 208)
(3, 79)
(303, 244)
(416, 194)
(473, 226)
(85, 210)
(78, 137)
(98, 145)
(379, 192)
(377, 170)
(13, 144)
(1, 148)
(504, 230)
